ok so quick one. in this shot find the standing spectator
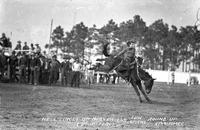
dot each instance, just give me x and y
(101, 79)
(107, 77)
(41, 69)
(29, 56)
(89, 76)
(45, 54)
(77, 74)
(18, 46)
(69, 72)
(54, 70)
(22, 69)
(76, 66)
(32, 47)
(65, 69)
(37, 69)
(63, 72)
(114, 78)
(173, 77)
(13, 64)
(46, 68)
(38, 48)
(25, 47)
(32, 68)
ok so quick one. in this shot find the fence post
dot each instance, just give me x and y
(8, 71)
(168, 80)
(98, 76)
(189, 78)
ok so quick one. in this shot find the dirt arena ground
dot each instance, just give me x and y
(98, 107)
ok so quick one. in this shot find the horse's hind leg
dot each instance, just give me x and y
(143, 92)
(137, 91)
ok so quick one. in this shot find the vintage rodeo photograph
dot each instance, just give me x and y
(99, 64)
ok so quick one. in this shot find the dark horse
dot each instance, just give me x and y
(135, 76)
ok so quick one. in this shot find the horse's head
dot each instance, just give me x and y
(148, 85)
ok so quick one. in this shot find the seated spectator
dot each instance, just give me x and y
(4, 40)
(9, 43)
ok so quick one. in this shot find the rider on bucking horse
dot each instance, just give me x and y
(127, 65)
(128, 62)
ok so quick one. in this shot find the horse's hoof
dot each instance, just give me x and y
(149, 101)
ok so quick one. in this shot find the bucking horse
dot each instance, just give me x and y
(135, 74)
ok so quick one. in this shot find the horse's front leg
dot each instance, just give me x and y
(143, 92)
(136, 90)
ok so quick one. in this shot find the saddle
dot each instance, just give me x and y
(126, 68)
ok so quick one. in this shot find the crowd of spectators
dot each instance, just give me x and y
(30, 65)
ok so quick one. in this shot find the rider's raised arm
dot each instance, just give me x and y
(121, 53)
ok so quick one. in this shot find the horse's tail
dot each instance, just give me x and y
(105, 52)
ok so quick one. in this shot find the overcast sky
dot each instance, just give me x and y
(29, 20)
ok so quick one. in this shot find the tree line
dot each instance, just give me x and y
(163, 46)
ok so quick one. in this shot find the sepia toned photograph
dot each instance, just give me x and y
(99, 64)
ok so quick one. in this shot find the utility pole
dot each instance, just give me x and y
(50, 35)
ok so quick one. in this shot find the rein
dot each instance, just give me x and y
(117, 66)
